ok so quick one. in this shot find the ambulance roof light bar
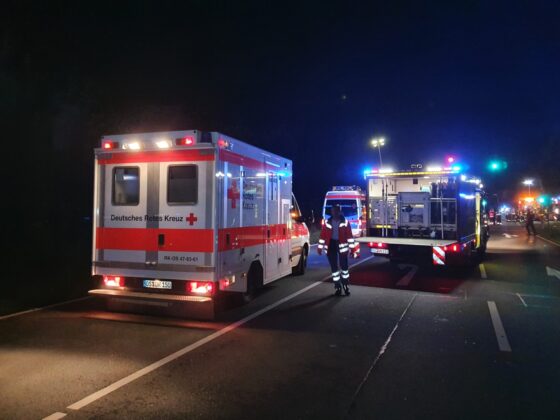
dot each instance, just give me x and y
(346, 188)
(375, 173)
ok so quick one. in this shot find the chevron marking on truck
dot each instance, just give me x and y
(438, 255)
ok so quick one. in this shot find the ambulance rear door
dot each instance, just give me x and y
(186, 217)
(154, 215)
(121, 236)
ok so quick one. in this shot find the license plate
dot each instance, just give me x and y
(157, 284)
(379, 251)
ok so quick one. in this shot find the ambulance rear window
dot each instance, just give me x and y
(182, 184)
(126, 186)
(349, 207)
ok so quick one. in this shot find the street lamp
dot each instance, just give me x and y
(378, 142)
(528, 183)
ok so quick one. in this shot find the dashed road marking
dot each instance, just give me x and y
(503, 342)
(405, 281)
(382, 350)
(482, 271)
(553, 272)
(55, 416)
(521, 299)
(156, 365)
(548, 240)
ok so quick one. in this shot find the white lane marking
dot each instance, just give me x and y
(150, 368)
(548, 240)
(552, 272)
(482, 271)
(540, 296)
(405, 281)
(508, 236)
(55, 416)
(312, 245)
(382, 350)
(503, 342)
(43, 308)
(521, 299)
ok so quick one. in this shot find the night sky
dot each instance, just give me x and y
(312, 82)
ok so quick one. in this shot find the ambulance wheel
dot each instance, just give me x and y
(299, 269)
(254, 282)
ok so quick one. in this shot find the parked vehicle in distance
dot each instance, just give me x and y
(352, 202)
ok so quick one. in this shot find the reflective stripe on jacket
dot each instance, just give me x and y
(346, 240)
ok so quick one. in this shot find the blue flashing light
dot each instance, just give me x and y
(370, 171)
(457, 168)
(468, 197)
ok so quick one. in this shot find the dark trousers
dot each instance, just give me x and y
(530, 227)
(335, 258)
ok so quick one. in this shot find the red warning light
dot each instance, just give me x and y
(222, 144)
(185, 141)
(108, 145)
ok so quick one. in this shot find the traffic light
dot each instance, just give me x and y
(544, 200)
(497, 165)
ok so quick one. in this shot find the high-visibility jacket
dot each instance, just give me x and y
(346, 240)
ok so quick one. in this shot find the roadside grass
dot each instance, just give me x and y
(48, 271)
(550, 231)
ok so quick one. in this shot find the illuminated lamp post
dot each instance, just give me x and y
(378, 142)
(528, 183)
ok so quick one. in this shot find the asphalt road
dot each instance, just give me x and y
(409, 343)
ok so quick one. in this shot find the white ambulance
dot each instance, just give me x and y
(352, 202)
(185, 215)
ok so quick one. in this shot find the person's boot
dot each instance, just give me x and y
(337, 290)
(346, 290)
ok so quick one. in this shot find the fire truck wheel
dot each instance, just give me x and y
(299, 269)
(481, 252)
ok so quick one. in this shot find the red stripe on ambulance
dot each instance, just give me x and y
(157, 156)
(187, 240)
(245, 161)
(141, 239)
(235, 238)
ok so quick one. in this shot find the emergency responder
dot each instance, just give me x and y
(336, 238)
(530, 222)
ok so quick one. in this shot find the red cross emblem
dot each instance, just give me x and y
(233, 194)
(191, 219)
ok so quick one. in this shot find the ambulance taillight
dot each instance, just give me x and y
(113, 281)
(200, 287)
